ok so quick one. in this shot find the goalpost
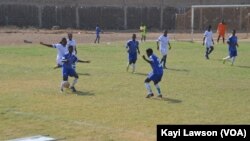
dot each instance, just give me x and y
(193, 20)
(236, 16)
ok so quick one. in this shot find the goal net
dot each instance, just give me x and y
(191, 24)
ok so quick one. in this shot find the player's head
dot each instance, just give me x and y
(165, 32)
(149, 52)
(134, 36)
(63, 41)
(234, 32)
(70, 49)
(97, 24)
(209, 27)
(70, 35)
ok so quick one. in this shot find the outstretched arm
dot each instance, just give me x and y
(203, 40)
(81, 61)
(47, 45)
(169, 45)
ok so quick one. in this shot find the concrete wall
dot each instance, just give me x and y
(110, 14)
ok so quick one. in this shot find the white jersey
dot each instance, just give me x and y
(163, 40)
(61, 51)
(72, 43)
(208, 38)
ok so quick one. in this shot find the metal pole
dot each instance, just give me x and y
(192, 23)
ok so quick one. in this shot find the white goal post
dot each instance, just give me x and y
(213, 6)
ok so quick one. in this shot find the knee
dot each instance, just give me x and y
(147, 80)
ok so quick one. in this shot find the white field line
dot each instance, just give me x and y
(82, 123)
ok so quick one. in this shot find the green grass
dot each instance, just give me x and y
(110, 105)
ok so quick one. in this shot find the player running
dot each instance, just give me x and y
(67, 69)
(208, 41)
(61, 51)
(132, 49)
(164, 47)
(154, 76)
(232, 47)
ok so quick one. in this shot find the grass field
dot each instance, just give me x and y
(110, 104)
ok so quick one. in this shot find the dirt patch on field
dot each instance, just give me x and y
(17, 36)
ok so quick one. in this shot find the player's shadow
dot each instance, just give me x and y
(246, 67)
(86, 74)
(81, 93)
(139, 73)
(173, 69)
(170, 100)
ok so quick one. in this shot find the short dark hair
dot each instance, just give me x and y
(149, 51)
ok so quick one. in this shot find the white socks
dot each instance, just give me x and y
(74, 82)
(147, 85)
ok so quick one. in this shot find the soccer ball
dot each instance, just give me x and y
(66, 84)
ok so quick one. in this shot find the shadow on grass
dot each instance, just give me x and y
(139, 73)
(87, 74)
(246, 67)
(81, 93)
(173, 69)
(170, 100)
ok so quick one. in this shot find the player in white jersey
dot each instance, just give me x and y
(71, 42)
(61, 51)
(208, 41)
(163, 47)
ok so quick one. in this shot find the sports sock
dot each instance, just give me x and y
(148, 88)
(233, 59)
(158, 89)
(133, 66)
(226, 58)
(74, 82)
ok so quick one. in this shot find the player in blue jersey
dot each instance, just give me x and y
(155, 75)
(97, 32)
(132, 49)
(232, 47)
(67, 70)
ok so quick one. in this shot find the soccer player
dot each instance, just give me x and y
(208, 41)
(67, 69)
(221, 30)
(143, 30)
(61, 51)
(97, 31)
(164, 47)
(154, 76)
(132, 49)
(232, 47)
(71, 42)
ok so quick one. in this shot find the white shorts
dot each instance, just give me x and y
(59, 61)
(208, 44)
(163, 52)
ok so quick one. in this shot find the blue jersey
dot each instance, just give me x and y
(97, 30)
(233, 40)
(72, 59)
(155, 64)
(132, 46)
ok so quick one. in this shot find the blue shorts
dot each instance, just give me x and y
(156, 78)
(68, 72)
(232, 53)
(97, 35)
(132, 58)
